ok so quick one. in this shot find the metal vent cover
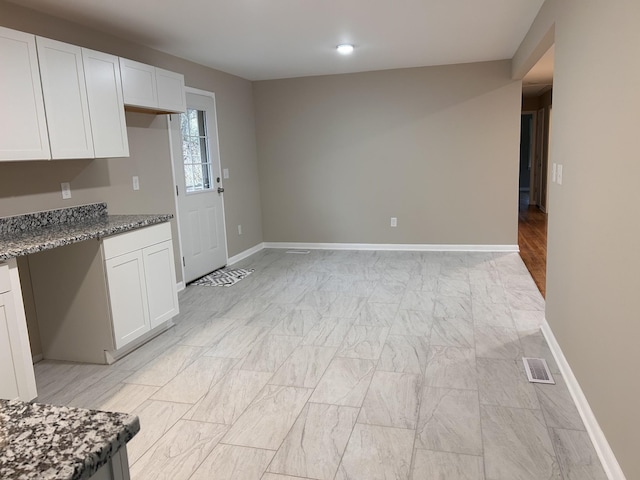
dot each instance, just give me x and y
(299, 252)
(537, 370)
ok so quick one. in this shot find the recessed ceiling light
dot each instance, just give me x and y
(345, 49)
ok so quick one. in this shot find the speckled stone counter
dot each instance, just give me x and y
(26, 234)
(47, 442)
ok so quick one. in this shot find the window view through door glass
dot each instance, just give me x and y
(195, 141)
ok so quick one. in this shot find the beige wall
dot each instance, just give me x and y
(593, 264)
(435, 147)
(34, 186)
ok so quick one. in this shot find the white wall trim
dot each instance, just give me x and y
(247, 253)
(180, 286)
(600, 443)
(372, 246)
(394, 247)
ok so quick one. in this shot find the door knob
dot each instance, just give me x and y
(220, 189)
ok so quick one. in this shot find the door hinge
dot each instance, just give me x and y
(177, 194)
(183, 263)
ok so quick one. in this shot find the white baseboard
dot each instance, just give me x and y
(247, 253)
(600, 443)
(394, 247)
(180, 286)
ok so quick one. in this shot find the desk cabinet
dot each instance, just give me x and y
(97, 300)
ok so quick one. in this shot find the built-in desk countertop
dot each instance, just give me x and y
(35, 232)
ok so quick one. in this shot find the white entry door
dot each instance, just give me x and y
(194, 139)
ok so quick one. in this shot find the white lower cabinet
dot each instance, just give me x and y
(128, 297)
(161, 294)
(97, 300)
(17, 380)
(8, 380)
(142, 286)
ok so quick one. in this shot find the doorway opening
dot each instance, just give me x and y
(533, 207)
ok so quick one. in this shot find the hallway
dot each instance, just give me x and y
(532, 240)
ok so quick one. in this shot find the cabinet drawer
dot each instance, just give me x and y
(5, 281)
(135, 240)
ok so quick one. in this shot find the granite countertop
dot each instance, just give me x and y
(48, 442)
(32, 233)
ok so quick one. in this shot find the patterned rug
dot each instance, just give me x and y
(224, 277)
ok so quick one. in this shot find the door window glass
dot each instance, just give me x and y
(195, 152)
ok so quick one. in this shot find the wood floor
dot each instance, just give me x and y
(532, 239)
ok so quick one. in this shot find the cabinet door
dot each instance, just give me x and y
(8, 381)
(65, 99)
(139, 84)
(106, 104)
(161, 282)
(128, 297)
(171, 95)
(23, 135)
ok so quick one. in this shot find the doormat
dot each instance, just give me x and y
(223, 277)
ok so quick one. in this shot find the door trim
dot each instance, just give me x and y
(204, 93)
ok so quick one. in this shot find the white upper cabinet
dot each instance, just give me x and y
(152, 88)
(65, 99)
(139, 84)
(106, 104)
(23, 134)
(171, 95)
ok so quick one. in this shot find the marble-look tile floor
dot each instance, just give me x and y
(345, 365)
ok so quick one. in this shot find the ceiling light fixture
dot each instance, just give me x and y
(345, 49)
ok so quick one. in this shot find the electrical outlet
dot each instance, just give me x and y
(66, 190)
(239, 229)
(559, 174)
(225, 173)
(136, 183)
(394, 222)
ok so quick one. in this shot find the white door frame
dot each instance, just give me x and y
(204, 93)
(532, 149)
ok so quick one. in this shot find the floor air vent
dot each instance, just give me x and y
(537, 370)
(299, 252)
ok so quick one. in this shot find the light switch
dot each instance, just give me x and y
(554, 170)
(136, 183)
(66, 190)
(225, 173)
(394, 222)
(559, 174)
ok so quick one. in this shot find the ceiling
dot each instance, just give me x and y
(258, 39)
(540, 77)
